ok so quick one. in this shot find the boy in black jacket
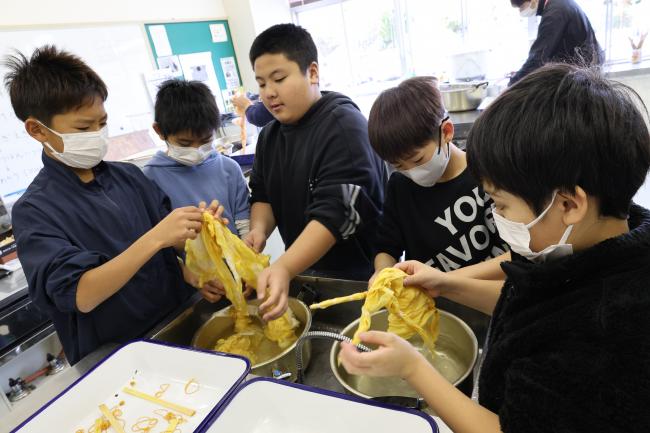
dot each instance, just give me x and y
(315, 175)
(562, 153)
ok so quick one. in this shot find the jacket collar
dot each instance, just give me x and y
(627, 251)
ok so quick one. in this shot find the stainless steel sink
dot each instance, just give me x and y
(187, 320)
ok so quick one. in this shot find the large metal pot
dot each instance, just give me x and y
(463, 97)
(456, 352)
(221, 325)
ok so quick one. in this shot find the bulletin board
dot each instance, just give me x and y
(201, 50)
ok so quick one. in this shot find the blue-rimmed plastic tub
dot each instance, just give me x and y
(267, 405)
(144, 365)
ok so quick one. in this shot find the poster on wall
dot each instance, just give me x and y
(199, 67)
(160, 40)
(227, 99)
(173, 64)
(154, 79)
(230, 72)
(218, 32)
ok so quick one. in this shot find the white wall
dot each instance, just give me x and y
(640, 83)
(49, 12)
(247, 19)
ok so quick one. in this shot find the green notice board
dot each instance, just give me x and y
(184, 47)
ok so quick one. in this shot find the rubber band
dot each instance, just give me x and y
(163, 388)
(168, 416)
(101, 424)
(150, 424)
(193, 388)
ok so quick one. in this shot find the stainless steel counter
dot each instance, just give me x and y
(179, 328)
(52, 388)
(12, 287)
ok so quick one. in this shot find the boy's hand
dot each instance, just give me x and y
(273, 287)
(255, 239)
(212, 291)
(430, 279)
(215, 209)
(394, 357)
(373, 278)
(181, 224)
(241, 102)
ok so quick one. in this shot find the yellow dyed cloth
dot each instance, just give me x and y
(282, 329)
(410, 310)
(244, 344)
(219, 254)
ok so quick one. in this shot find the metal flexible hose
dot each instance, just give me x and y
(323, 335)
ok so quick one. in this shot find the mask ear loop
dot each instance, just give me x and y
(539, 218)
(440, 134)
(48, 145)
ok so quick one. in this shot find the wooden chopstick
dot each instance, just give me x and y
(111, 419)
(177, 407)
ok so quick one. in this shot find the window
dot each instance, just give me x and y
(629, 20)
(367, 45)
(359, 45)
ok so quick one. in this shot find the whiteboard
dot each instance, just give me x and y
(118, 53)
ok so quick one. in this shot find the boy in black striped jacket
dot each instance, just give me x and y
(315, 176)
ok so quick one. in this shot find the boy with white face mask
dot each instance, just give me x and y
(97, 240)
(187, 118)
(562, 153)
(435, 211)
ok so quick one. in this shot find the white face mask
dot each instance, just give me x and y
(430, 172)
(189, 155)
(517, 235)
(530, 11)
(81, 149)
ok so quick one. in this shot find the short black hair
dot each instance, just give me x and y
(404, 118)
(560, 127)
(186, 106)
(289, 39)
(518, 3)
(51, 82)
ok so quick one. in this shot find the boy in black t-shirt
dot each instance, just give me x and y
(435, 211)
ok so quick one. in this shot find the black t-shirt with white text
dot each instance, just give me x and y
(447, 226)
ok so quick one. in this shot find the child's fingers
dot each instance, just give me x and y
(193, 225)
(215, 287)
(210, 297)
(272, 299)
(278, 310)
(193, 213)
(353, 361)
(376, 337)
(407, 266)
(262, 282)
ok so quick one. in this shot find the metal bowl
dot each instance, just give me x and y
(455, 355)
(221, 325)
(463, 97)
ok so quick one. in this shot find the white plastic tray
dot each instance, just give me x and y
(144, 366)
(269, 406)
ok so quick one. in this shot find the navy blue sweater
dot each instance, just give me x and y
(65, 227)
